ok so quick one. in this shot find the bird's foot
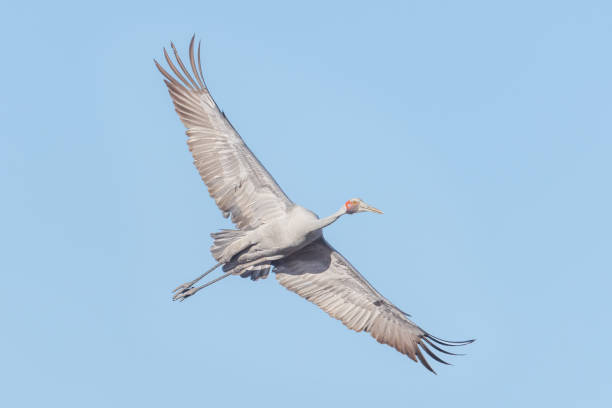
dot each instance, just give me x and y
(183, 287)
(184, 291)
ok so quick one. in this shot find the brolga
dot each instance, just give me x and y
(275, 233)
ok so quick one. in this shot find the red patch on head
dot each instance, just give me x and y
(348, 205)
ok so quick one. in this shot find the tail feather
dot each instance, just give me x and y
(222, 239)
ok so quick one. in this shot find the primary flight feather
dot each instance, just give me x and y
(275, 233)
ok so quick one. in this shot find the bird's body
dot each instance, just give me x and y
(274, 232)
(283, 236)
(247, 250)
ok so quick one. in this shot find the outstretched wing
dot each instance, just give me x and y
(237, 181)
(323, 276)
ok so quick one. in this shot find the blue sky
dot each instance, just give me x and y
(484, 131)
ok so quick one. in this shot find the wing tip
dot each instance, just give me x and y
(450, 343)
(184, 77)
(437, 344)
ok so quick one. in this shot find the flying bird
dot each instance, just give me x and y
(275, 233)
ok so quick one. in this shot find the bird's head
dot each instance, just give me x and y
(355, 205)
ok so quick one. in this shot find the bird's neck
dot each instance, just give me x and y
(324, 222)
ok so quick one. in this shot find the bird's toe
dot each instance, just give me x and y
(185, 293)
(182, 288)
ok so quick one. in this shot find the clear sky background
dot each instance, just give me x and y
(483, 131)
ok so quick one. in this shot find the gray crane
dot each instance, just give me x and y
(273, 232)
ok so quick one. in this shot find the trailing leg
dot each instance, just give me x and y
(186, 286)
(185, 294)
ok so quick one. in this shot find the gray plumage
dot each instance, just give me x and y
(273, 232)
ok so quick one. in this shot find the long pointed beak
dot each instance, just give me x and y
(373, 209)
